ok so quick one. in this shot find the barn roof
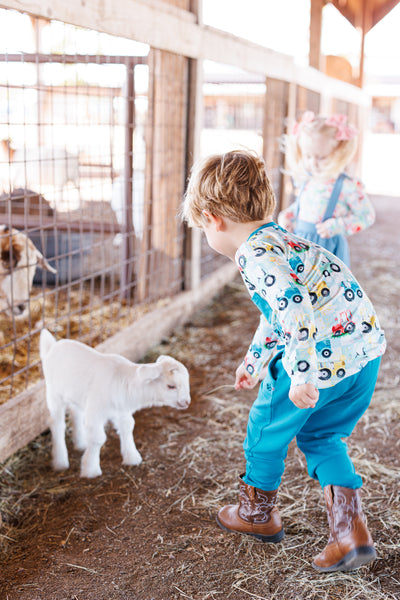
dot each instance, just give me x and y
(364, 13)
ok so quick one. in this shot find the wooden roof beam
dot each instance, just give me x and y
(382, 10)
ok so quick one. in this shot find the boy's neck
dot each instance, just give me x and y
(240, 232)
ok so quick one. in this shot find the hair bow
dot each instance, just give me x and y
(306, 118)
(344, 130)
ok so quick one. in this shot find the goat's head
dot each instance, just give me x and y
(18, 261)
(172, 377)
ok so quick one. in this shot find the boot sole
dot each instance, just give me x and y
(353, 560)
(267, 539)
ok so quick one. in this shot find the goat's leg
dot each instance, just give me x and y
(90, 462)
(79, 429)
(124, 425)
(57, 427)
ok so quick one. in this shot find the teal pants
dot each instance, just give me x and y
(274, 421)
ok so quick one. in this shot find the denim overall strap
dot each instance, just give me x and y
(337, 188)
(337, 244)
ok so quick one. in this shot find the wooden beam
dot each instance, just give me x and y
(364, 21)
(381, 11)
(195, 117)
(314, 59)
(169, 28)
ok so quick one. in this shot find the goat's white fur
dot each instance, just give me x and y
(96, 388)
(19, 259)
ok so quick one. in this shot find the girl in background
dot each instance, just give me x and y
(330, 204)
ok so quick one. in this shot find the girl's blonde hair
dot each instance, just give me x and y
(233, 185)
(334, 128)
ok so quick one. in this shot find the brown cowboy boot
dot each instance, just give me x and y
(256, 514)
(350, 544)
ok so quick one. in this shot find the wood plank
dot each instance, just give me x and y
(195, 120)
(315, 33)
(22, 419)
(275, 116)
(26, 416)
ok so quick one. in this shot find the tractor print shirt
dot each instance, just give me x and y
(311, 305)
(353, 212)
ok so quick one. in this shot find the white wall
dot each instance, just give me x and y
(381, 164)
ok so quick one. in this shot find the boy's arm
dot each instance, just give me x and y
(292, 315)
(258, 353)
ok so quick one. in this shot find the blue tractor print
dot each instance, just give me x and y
(242, 261)
(296, 264)
(328, 268)
(289, 294)
(303, 366)
(269, 280)
(324, 348)
(250, 285)
(350, 290)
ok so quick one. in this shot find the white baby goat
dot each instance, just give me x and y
(97, 388)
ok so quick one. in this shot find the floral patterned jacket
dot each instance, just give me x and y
(353, 213)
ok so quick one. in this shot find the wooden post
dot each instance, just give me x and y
(365, 24)
(287, 187)
(315, 33)
(192, 249)
(162, 242)
(275, 118)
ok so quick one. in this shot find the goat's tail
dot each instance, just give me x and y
(47, 341)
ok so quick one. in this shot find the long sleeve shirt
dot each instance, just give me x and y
(311, 305)
(353, 213)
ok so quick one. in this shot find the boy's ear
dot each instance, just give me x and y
(217, 221)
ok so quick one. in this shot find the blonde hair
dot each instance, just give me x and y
(341, 155)
(233, 185)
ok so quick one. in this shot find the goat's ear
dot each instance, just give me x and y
(162, 357)
(43, 262)
(149, 372)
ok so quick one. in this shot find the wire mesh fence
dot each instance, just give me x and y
(73, 127)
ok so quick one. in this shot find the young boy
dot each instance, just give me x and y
(328, 345)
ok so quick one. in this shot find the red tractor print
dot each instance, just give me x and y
(298, 246)
(270, 343)
(344, 325)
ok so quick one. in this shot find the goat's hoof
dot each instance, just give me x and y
(133, 461)
(91, 474)
(60, 466)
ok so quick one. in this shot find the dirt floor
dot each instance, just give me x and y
(149, 532)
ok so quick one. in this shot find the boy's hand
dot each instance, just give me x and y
(304, 396)
(244, 381)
